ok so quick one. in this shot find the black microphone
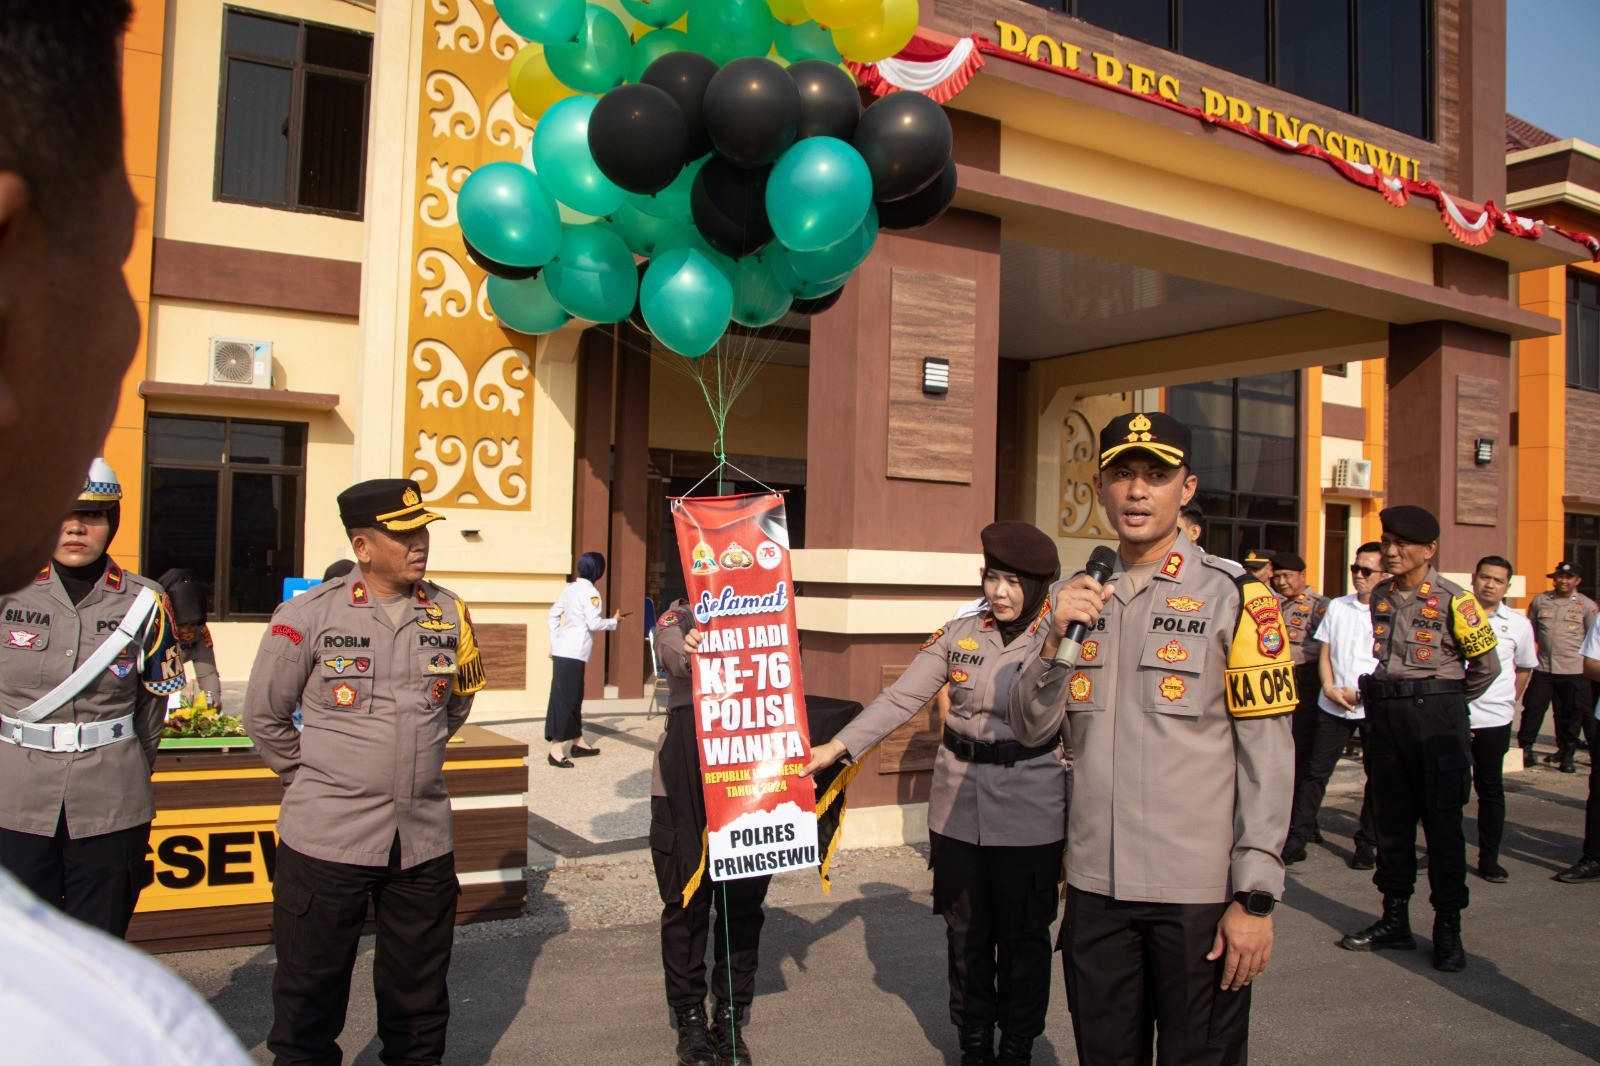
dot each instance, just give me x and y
(1101, 560)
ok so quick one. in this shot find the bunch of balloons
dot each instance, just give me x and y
(685, 180)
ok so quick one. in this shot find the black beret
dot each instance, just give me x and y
(1566, 569)
(1410, 523)
(392, 503)
(1159, 434)
(188, 600)
(1288, 561)
(1256, 558)
(1020, 548)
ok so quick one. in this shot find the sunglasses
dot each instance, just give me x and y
(1362, 571)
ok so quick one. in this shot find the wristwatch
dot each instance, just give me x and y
(1257, 903)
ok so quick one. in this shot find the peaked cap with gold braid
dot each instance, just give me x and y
(393, 503)
(1163, 436)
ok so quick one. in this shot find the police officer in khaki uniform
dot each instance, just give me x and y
(186, 598)
(1302, 613)
(75, 797)
(383, 665)
(677, 835)
(1258, 564)
(1177, 712)
(997, 808)
(1435, 648)
(1561, 619)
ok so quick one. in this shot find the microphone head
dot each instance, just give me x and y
(1101, 562)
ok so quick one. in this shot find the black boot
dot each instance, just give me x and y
(727, 1032)
(1448, 954)
(1015, 1050)
(694, 1042)
(1391, 932)
(977, 1044)
(1569, 763)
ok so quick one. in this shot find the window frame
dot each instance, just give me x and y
(1573, 334)
(1582, 549)
(298, 69)
(224, 467)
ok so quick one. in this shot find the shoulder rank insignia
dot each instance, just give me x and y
(1185, 605)
(1173, 566)
(1424, 588)
(967, 644)
(42, 576)
(114, 577)
(358, 593)
(422, 594)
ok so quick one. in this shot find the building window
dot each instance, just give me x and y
(1336, 557)
(1372, 58)
(1337, 370)
(1246, 458)
(1583, 331)
(293, 122)
(225, 498)
(1583, 547)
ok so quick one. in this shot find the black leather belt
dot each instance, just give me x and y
(1402, 690)
(1004, 752)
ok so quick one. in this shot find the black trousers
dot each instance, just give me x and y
(997, 904)
(1489, 747)
(732, 912)
(1328, 739)
(1591, 809)
(94, 879)
(1131, 965)
(563, 719)
(1419, 770)
(318, 908)
(1574, 710)
(1303, 726)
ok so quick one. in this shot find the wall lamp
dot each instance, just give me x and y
(1483, 451)
(935, 377)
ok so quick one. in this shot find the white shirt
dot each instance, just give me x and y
(72, 994)
(1347, 631)
(1591, 650)
(1517, 652)
(575, 618)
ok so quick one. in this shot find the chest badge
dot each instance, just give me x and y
(1173, 688)
(1423, 636)
(1185, 605)
(1080, 687)
(121, 670)
(1091, 651)
(1173, 652)
(960, 677)
(1424, 655)
(440, 687)
(441, 664)
(21, 638)
(433, 610)
(344, 695)
(438, 625)
(1429, 612)
(967, 644)
(340, 663)
(1384, 607)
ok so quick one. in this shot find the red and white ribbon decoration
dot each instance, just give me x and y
(938, 69)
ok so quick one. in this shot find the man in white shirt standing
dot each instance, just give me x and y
(1345, 636)
(1492, 712)
(1587, 869)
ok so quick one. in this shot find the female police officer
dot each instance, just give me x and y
(997, 811)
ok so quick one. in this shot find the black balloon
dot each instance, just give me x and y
(638, 137)
(499, 270)
(636, 316)
(905, 139)
(752, 111)
(684, 77)
(830, 103)
(923, 206)
(819, 305)
(730, 207)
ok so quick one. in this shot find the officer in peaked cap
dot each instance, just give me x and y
(1561, 620)
(1259, 562)
(383, 665)
(75, 796)
(1435, 647)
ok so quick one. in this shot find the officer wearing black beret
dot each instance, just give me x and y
(1435, 648)
(1303, 611)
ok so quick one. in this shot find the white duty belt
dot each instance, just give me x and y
(80, 736)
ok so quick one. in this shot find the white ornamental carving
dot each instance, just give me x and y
(502, 42)
(441, 464)
(495, 386)
(446, 289)
(438, 206)
(505, 128)
(465, 31)
(485, 312)
(495, 466)
(445, 380)
(457, 114)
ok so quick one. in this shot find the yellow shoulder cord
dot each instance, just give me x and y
(834, 792)
(470, 676)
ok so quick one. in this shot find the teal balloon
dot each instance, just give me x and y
(839, 259)
(689, 236)
(813, 289)
(567, 169)
(686, 301)
(598, 60)
(642, 232)
(818, 192)
(507, 215)
(526, 306)
(656, 12)
(593, 276)
(725, 30)
(652, 46)
(805, 41)
(758, 299)
(673, 201)
(545, 21)
(778, 259)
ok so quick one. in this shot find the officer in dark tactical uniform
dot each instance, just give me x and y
(1302, 613)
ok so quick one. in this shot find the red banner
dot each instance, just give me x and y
(749, 706)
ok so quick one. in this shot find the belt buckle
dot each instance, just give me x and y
(73, 733)
(967, 748)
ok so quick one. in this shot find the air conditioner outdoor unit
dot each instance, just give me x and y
(1352, 474)
(241, 363)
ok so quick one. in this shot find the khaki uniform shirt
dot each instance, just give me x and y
(1437, 631)
(1559, 627)
(1301, 617)
(43, 638)
(979, 803)
(378, 704)
(200, 654)
(1177, 712)
(670, 629)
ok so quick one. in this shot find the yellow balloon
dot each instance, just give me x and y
(835, 14)
(882, 37)
(789, 12)
(533, 87)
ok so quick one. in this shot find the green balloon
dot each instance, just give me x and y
(656, 12)
(689, 237)
(644, 233)
(673, 201)
(686, 301)
(652, 46)
(841, 257)
(726, 30)
(526, 306)
(598, 60)
(805, 41)
(544, 21)
(758, 299)
(593, 276)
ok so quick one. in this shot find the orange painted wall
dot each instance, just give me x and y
(142, 59)
(1374, 395)
(1542, 428)
(1312, 520)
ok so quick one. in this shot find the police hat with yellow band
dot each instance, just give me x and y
(1257, 559)
(101, 489)
(1161, 435)
(392, 503)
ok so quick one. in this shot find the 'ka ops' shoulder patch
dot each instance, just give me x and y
(1260, 671)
